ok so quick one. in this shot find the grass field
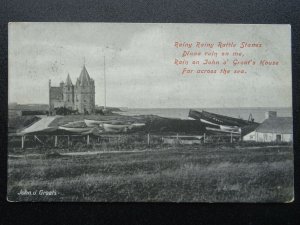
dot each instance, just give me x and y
(176, 174)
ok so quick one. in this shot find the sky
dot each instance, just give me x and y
(140, 69)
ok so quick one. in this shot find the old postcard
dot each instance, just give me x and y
(133, 112)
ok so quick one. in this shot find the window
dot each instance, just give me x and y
(278, 137)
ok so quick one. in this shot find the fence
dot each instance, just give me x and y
(115, 140)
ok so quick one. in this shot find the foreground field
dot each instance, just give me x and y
(192, 174)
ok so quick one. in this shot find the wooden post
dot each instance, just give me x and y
(241, 136)
(230, 137)
(68, 140)
(148, 139)
(36, 138)
(55, 141)
(88, 139)
(23, 140)
(204, 138)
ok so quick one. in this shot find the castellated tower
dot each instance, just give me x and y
(80, 96)
(84, 100)
(68, 93)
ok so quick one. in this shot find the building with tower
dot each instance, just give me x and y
(79, 96)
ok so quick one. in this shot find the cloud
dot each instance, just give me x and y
(140, 66)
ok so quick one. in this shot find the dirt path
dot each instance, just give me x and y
(110, 152)
(79, 153)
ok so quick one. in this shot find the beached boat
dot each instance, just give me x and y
(216, 119)
(222, 131)
(94, 123)
(137, 125)
(75, 124)
(115, 127)
(230, 128)
(223, 124)
(75, 129)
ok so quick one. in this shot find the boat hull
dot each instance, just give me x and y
(115, 128)
(93, 123)
(75, 129)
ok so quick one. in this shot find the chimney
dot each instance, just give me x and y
(271, 114)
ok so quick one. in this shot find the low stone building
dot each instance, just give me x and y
(272, 129)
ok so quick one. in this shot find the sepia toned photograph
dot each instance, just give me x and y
(149, 112)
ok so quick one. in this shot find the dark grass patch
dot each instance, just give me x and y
(178, 175)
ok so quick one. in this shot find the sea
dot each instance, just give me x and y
(182, 113)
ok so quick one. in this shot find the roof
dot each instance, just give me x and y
(249, 128)
(283, 125)
(69, 81)
(84, 78)
(43, 126)
(56, 93)
(40, 125)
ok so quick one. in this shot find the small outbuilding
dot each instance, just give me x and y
(272, 129)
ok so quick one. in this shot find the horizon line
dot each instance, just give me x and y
(196, 107)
